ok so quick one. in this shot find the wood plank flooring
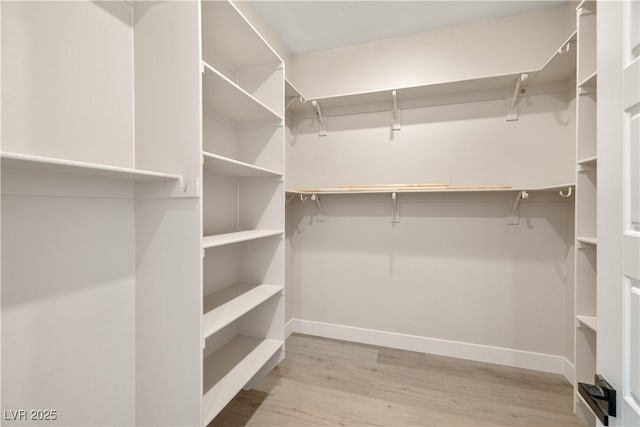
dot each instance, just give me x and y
(325, 382)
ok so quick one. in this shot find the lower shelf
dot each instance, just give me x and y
(228, 304)
(229, 369)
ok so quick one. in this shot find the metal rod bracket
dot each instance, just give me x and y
(512, 103)
(322, 125)
(395, 209)
(514, 218)
(395, 121)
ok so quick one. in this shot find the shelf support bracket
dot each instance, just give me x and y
(395, 209)
(395, 121)
(322, 125)
(320, 212)
(512, 103)
(566, 48)
(514, 218)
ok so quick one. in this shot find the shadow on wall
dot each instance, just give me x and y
(455, 226)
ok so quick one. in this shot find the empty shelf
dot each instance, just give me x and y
(590, 322)
(238, 236)
(227, 166)
(229, 369)
(246, 50)
(443, 188)
(591, 162)
(590, 82)
(223, 98)
(72, 167)
(588, 240)
(229, 304)
(493, 87)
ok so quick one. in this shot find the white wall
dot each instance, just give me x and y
(496, 46)
(451, 269)
(65, 95)
(68, 286)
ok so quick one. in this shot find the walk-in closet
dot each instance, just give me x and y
(286, 213)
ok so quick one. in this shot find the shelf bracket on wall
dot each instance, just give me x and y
(322, 125)
(395, 121)
(514, 218)
(566, 48)
(567, 194)
(512, 103)
(319, 211)
(395, 209)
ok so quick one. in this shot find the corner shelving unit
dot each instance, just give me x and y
(586, 206)
(243, 205)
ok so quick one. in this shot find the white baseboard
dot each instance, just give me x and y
(569, 371)
(288, 328)
(478, 352)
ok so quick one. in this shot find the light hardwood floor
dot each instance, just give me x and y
(326, 382)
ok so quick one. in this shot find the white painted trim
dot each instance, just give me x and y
(478, 352)
(569, 371)
(288, 328)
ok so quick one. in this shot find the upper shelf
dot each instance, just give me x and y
(226, 166)
(71, 167)
(223, 98)
(558, 70)
(230, 38)
(497, 86)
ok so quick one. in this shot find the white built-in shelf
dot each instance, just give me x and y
(443, 188)
(492, 87)
(231, 37)
(560, 68)
(229, 304)
(226, 166)
(590, 322)
(229, 369)
(588, 240)
(590, 162)
(49, 164)
(590, 83)
(224, 99)
(237, 237)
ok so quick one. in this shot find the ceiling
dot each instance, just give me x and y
(308, 26)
